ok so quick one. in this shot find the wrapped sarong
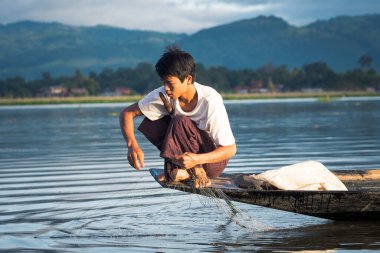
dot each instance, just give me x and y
(177, 135)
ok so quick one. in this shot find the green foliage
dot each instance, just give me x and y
(143, 79)
(15, 87)
(316, 75)
(365, 61)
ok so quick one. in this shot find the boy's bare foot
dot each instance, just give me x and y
(161, 178)
(182, 175)
(200, 177)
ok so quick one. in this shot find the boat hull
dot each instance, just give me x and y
(354, 205)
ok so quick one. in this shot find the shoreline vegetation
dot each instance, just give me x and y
(321, 96)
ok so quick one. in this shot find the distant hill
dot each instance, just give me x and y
(264, 40)
(30, 48)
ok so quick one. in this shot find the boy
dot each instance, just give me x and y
(185, 120)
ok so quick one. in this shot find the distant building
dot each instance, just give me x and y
(61, 91)
(241, 89)
(122, 91)
(57, 91)
(78, 92)
(119, 91)
(257, 86)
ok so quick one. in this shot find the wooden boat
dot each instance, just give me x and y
(360, 202)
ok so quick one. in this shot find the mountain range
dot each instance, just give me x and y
(30, 48)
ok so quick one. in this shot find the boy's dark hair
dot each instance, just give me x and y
(175, 62)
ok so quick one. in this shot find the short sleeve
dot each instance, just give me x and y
(152, 106)
(218, 123)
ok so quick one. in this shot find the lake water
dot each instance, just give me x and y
(66, 186)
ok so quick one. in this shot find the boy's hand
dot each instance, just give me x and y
(135, 156)
(185, 161)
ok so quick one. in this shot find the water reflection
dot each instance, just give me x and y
(330, 237)
(65, 184)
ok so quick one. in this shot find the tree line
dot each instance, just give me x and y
(142, 78)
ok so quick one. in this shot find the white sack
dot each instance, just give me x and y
(309, 175)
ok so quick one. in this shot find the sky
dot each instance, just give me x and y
(179, 16)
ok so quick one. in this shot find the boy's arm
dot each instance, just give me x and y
(126, 117)
(217, 155)
(189, 160)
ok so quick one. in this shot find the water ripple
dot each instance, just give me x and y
(65, 184)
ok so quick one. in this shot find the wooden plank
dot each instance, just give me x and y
(357, 175)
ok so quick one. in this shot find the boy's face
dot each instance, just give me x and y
(174, 87)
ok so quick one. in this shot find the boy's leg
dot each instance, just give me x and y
(175, 136)
(155, 131)
(183, 136)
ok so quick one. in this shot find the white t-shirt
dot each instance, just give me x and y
(209, 114)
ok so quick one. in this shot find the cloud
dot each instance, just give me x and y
(180, 16)
(161, 15)
(198, 14)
